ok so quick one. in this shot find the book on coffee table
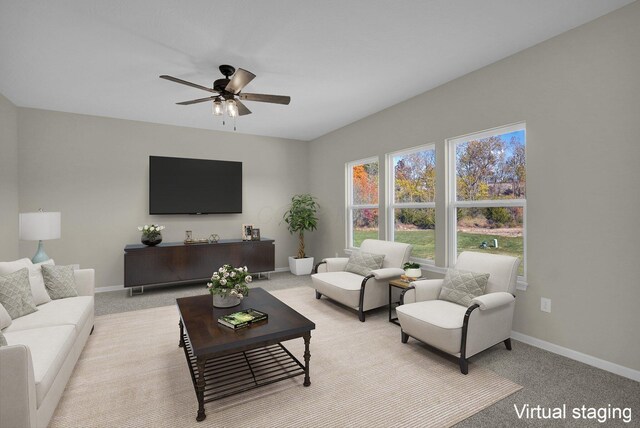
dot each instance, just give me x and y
(242, 319)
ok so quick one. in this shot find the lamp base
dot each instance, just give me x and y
(40, 256)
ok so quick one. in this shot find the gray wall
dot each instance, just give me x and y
(95, 172)
(579, 94)
(8, 180)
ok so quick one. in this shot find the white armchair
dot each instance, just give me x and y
(455, 329)
(331, 280)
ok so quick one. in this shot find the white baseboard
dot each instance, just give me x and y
(121, 287)
(109, 288)
(578, 356)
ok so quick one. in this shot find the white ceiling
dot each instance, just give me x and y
(338, 60)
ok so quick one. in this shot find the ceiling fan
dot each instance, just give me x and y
(228, 92)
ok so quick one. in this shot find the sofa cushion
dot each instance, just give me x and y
(49, 348)
(60, 281)
(5, 318)
(38, 290)
(72, 311)
(436, 322)
(15, 293)
(462, 287)
(362, 263)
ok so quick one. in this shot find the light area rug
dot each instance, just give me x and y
(132, 374)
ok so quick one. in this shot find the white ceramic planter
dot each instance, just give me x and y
(225, 301)
(301, 266)
(413, 273)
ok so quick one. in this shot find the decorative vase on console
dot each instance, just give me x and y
(229, 285)
(151, 234)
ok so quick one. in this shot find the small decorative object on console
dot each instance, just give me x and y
(228, 286)
(151, 234)
(255, 234)
(213, 238)
(246, 232)
(242, 319)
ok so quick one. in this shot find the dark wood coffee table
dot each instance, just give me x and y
(223, 361)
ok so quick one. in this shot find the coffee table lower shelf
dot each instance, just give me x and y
(235, 373)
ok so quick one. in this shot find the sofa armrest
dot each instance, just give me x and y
(493, 300)
(420, 291)
(85, 281)
(387, 273)
(18, 391)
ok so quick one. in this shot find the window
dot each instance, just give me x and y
(362, 201)
(487, 201)
(411, 195)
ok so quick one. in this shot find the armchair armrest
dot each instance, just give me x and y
(18, 392)
(387, 273)
(493, 300)
(332, 264)
(423, 290)
(85, 281)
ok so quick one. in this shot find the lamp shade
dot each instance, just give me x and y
(39, 226)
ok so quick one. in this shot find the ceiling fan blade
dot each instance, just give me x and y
(263, 98)
(239, 80)
(199, 100)
(184, 82)
(242, 109)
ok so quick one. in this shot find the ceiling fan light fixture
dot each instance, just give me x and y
(217, 107)
(232, 108)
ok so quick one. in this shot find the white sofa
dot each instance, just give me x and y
(42, 350)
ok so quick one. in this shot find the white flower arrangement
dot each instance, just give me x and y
(151, 230)
(230, 281)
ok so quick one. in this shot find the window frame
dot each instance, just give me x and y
(453, 204)
(350, 206)
(390, 191)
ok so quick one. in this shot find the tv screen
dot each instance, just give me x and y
(194, 186)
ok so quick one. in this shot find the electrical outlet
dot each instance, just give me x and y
(545, 304)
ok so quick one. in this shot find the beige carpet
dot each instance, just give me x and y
(132, 374)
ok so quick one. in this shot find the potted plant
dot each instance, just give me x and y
(229, 285)
(301, 217)
(412, 270)
(151, 234)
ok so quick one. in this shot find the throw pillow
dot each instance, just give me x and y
(5, 318)
(60, 281)
(3, 341)
(15, 294)
(38, 290)
(462, 287)
(363, 263)
(36, 281)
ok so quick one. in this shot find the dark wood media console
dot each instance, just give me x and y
(178, 263)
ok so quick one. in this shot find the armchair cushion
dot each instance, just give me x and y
(461, 286)
(436, 322)
(425, 289)
(5, 318)
(362, 263)
(493, 300)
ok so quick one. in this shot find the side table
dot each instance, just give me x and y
(395, 283)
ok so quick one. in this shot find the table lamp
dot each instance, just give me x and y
(39, 226)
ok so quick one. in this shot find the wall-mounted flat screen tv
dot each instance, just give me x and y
(194, 186)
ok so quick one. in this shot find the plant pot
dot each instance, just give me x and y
(413, 273)
(146, 240)
(221, 301)
(301, 266)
